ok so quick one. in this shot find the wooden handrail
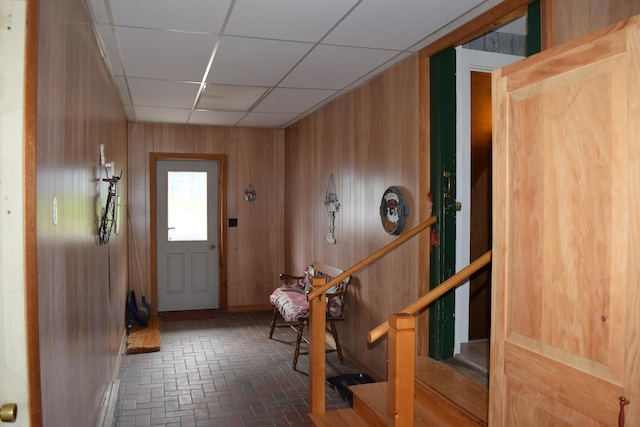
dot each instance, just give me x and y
(371, 258)
(318, 324)
(434, 294)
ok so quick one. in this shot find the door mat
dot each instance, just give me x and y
(341, 384)
(187, 315)
(144, 339)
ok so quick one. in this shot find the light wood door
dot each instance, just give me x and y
(566, 262)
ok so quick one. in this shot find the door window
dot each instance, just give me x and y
(186, 206)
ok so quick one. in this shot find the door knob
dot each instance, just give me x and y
(212, 247)
(8, 412)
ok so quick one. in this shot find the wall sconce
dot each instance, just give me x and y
(250, 193)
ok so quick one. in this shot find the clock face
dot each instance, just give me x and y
(393, 210)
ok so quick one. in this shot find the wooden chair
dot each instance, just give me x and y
(290, 302)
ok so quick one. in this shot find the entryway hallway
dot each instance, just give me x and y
(220, 372)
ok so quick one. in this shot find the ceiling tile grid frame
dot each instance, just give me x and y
(300, 55)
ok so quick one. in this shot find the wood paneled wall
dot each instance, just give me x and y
(81, 285)
(368, 140)
(254, 255)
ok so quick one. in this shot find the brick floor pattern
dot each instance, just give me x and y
(222, 372)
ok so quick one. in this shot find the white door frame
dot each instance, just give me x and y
(467, 60)
(19, 317)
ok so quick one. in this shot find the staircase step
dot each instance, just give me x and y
(443, 398)
(340, 417)
(449, 396)
(370, 402)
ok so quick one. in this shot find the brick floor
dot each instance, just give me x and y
(220, 372)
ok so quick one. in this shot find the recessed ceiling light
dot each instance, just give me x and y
(229, 97)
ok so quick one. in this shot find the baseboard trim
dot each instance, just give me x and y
(121, 352)
(108, 408)
(249, 308)
(110, 398)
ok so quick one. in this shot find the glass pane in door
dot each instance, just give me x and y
(186, 206)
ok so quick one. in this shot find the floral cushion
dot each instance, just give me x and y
(292, 304)
(291, 299)
(334, 306)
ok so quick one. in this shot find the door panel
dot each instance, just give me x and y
(188, 260)
(566, 233)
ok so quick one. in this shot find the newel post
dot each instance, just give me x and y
(402, 350)
(317, 355)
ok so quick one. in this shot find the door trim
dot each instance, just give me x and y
(441, 312)
(467, 61)
(222, 160)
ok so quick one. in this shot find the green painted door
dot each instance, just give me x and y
(443, 180)
(443, 168)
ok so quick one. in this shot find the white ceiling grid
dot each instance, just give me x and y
(258, 63)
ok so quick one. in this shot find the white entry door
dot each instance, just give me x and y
(187, 235)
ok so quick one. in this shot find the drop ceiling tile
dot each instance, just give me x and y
(161, 115)
(266, 120)
(168, 55)
(382, 24)
(229, 98)
(163, 93)
(286, 19)
(283, 100)
(215, 118)
(454, 24)
(334, 67)
(260, 42)
(185, 15)
(255, 62)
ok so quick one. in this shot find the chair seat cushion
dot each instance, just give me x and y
(291, 303)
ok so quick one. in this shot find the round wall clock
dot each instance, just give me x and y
(393, 210)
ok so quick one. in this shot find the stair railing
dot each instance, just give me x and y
(428, 298)
(318, 321)
(401, 346)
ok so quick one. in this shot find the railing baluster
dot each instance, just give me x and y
(317, 355)
(401, 366)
